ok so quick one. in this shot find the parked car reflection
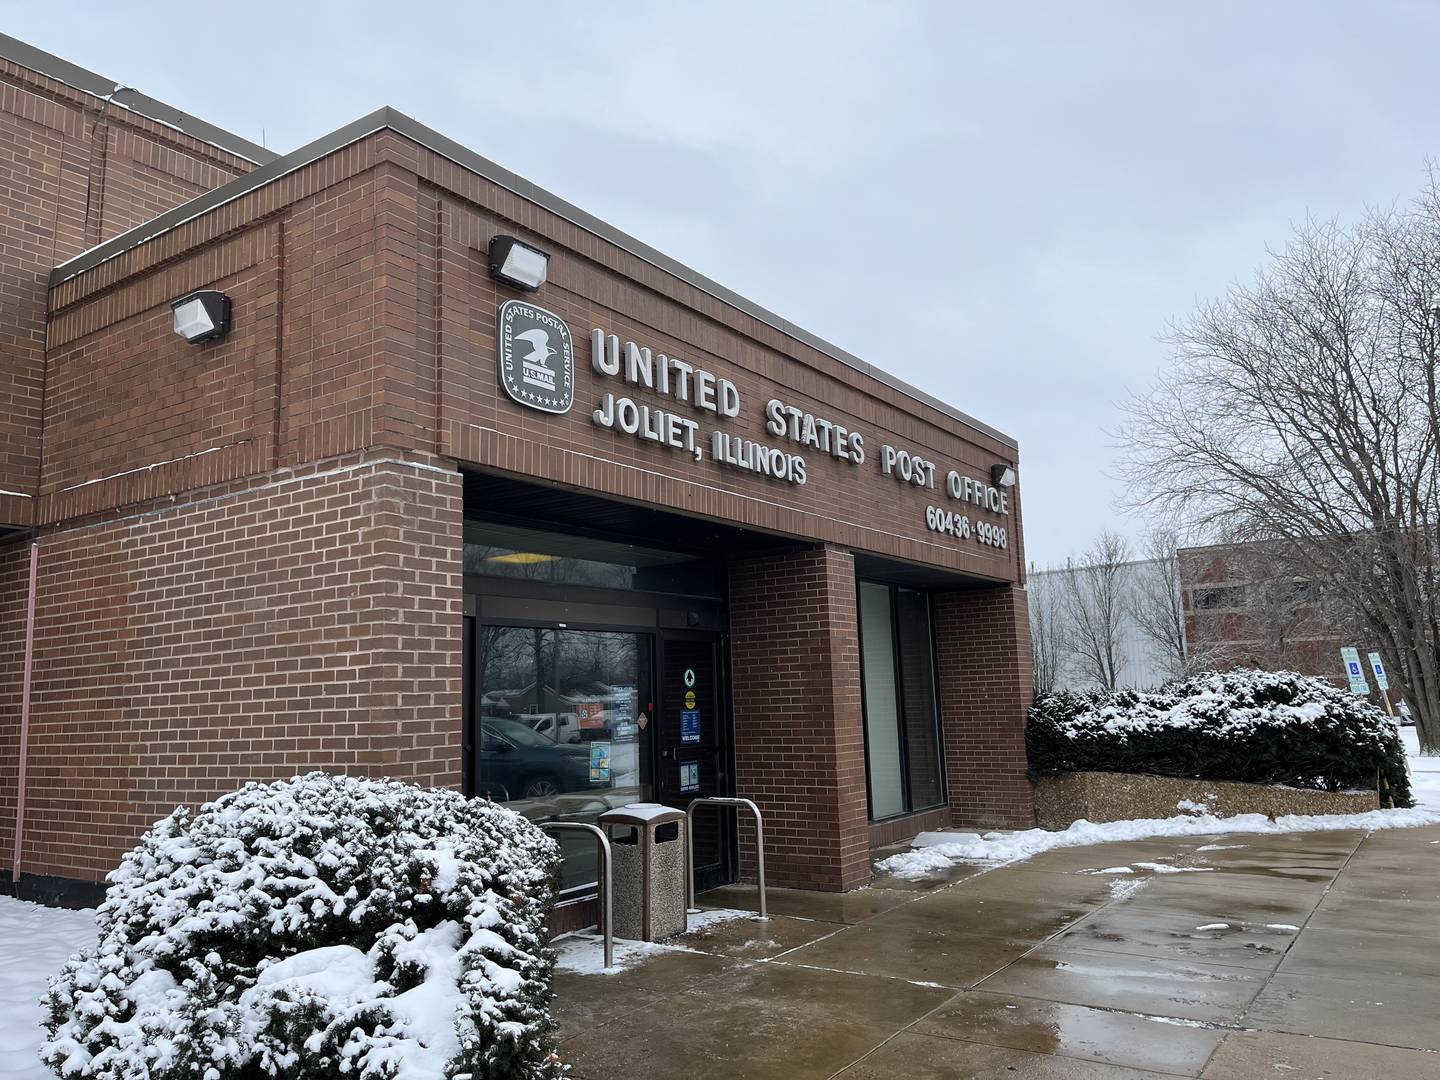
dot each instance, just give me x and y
(520, 763)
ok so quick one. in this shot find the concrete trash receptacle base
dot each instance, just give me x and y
(648, 891)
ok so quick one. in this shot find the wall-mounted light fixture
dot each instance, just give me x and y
(517, 264)
(202, 316)
(1002, 476)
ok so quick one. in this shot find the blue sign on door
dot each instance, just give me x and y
(689, 725)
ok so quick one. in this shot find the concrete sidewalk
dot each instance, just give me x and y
(1298, 956)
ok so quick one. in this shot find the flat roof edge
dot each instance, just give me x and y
(388, 118)
(61, 70)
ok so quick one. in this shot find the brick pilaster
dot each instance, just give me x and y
(982, 642)
(800, 744)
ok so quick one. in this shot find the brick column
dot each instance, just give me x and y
(982, 642)
(799, 736)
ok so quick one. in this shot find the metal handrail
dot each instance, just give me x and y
(717, 800)
(606, 919)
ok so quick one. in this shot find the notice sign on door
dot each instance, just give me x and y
(689, 725)
(591, 714)
(689, 777)
(690, 699)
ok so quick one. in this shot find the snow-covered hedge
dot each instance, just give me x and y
(325, 926)
(1263, 727)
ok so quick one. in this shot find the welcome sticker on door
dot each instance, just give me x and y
(689, 725)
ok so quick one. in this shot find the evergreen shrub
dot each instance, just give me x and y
(1258, 727)
(321, 927)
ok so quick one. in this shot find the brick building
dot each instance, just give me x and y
(624, 535)
(1249, 605)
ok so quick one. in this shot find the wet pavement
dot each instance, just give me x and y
(1301, 956)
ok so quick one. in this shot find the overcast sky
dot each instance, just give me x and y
(1039, 187)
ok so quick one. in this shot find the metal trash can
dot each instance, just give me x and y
(649, 866)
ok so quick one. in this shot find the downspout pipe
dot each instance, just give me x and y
(20, 780)
(22, 770)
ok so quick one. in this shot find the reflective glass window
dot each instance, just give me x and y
(561, 732)
(902, 721)
(882, 722)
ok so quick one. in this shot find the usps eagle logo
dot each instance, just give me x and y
(536, 357)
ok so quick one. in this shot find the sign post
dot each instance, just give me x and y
(1354, 671)
(1381, 680)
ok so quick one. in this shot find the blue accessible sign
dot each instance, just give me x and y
(1353, 671)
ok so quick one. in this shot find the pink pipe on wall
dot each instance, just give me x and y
(25, 713)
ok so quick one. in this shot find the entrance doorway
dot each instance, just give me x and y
(565, 723)
(692, 742)
(584, 620)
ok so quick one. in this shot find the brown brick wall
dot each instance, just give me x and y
(134, 412)
(310, 619)
(1260, 621)
(982, 642)
(414, 341)
(72, 173)
(795, 693)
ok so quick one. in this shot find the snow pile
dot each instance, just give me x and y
(1264, 727)
(35, 942)
(1424, 772)
(583, 951)
(935, 852)
(321, 926)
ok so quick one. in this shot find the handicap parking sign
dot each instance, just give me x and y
(1351, 659)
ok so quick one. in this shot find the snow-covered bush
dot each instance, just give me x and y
(1262, 727)
(325, 926)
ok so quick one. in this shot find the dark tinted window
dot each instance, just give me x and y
(917, 692)
(1220, 596)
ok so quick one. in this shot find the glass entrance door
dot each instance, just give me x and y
(558, 726)
(693, 748)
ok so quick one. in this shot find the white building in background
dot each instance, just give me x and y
(1144, 665)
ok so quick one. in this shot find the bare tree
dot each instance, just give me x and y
(1302, 411)
(1047, 631)
(1157, 604)
(1093, 596)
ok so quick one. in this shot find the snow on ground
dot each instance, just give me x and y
(1424, 772)
(704, 920)
(935, 852)
(35, 942)
(583, 952)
